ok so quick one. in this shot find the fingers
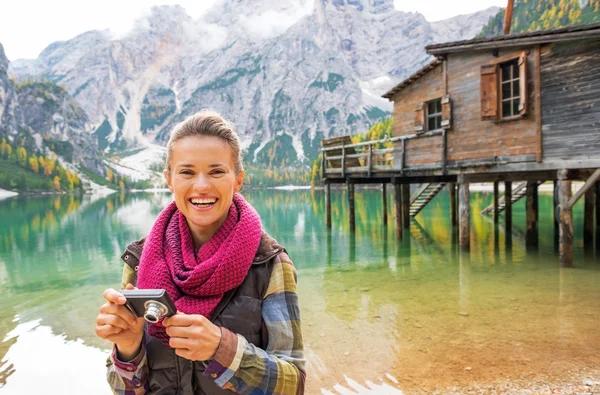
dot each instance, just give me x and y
(114, 296)
(183, 331)
(130, 286)
(120, 311)
(113, 320)
(105, 331)
(182, 319)
(180, 343)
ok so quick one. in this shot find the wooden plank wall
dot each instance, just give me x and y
(571, 100)
(472, 138)
(469, 138)
(421, 151)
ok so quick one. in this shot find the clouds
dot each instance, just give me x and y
(28, 26)
(270, 23)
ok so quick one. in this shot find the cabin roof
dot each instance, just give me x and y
(430, 66)
(511, 40)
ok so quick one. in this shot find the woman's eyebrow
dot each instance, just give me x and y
(218, 164)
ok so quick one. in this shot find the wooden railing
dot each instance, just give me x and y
(370, 159)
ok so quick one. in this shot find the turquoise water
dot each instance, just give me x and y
(379, 316)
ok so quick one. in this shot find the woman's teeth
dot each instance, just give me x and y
(203, 202)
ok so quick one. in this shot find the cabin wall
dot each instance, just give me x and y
(570, 75)
(426, 150)
(471, 138)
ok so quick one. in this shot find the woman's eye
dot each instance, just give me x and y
(185, 172)
(218, 171)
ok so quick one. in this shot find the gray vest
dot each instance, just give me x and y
(239, 311)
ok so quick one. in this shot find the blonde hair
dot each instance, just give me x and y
(207, 123)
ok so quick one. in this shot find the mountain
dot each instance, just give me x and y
(287, 72)
(9, 116)
(530, 16)
(41, 117)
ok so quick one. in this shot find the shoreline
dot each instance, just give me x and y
(478, 187)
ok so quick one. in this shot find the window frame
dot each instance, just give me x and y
(435, 116)
(513, 65)
(524, 92)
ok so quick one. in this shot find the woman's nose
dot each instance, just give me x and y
(202, 182)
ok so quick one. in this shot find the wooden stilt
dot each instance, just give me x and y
(531, 237)
(508, 206)
(464, 234)
(588, 219)
(328, 205)
(352, 252)
(398, 207)
(329, 249)
(406, 205)
(452, 190)
(352, 212)
(384, 202)
(598, 218)
(496, 213)
(555, 215)
(566, 221)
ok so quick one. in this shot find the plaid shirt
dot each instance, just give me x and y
(238, 365)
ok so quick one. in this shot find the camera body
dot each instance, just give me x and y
(152, 304)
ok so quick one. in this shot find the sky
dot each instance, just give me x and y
(29, 26)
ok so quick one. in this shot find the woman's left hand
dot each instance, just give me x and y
(193, 336)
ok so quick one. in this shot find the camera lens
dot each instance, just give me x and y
(154, 311)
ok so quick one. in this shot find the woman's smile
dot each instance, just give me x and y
(203, 203)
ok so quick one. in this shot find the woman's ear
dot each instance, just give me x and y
(166, 174)
(239, 181)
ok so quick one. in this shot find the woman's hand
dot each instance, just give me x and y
(193, 336)
(117, 324)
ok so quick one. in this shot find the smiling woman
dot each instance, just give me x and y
(237, 325)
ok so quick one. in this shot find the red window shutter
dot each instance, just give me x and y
(446, 112)
(489, 92)
(523, 84)
(420, 118)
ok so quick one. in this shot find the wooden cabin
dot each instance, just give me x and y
(505, 102)
(521, 108)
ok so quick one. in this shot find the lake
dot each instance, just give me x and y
(378, 316)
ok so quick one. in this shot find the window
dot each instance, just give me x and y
(434, 114)
(504, 88)
(510, 88)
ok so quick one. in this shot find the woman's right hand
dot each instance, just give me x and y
(117, 324)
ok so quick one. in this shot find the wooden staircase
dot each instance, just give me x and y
(518, 192)
(423, 196)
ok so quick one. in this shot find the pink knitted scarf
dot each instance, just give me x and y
(197, 283)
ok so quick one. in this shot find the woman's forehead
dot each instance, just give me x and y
(200, 148)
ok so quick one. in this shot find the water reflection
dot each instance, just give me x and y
(379, 315)
(40, 362)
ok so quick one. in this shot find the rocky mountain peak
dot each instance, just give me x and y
(367, 6)
(161, 20)
(3, 59)
(256, 7)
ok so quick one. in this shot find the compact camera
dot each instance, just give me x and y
(152, 304)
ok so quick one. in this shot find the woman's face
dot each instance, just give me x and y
(203, 181)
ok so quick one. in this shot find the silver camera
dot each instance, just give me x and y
(152, 304)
